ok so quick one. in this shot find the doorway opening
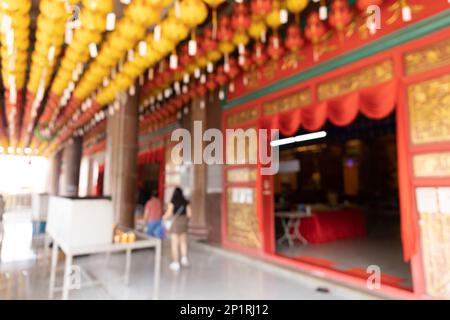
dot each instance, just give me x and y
(336, 201)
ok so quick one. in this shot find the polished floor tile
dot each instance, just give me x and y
(214, 274)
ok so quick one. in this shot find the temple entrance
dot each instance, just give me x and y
(336, 201)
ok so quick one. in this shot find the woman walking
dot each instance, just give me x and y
(179, 211)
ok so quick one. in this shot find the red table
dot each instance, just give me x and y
(327, 226)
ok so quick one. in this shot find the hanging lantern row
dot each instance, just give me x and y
(268, 13)
(190, 13)
(93, 134)
(14, 36)
(170, 80)
(138, 16)
(51, 28)
(264, 14)
(82, 44)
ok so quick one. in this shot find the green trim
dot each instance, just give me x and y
(150, 136)
(419, 29)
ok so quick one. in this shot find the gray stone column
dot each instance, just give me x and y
(54, 173)
(122, 157)
(71, 159)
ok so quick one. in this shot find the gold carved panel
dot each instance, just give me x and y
(369, 76)
(242, 116)
(432, 164)
(242, 147)
(429, 110)
(433, 206)
(298, 99)
(243, 226)
(241, 175)
(428, 58)
(435, 234)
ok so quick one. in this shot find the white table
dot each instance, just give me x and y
(142, 241)
(289, 220)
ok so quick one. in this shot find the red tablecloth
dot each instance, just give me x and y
(326, 226)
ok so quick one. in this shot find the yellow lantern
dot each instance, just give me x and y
(226, 47)
(84, 37)
(163, 46)
(257, 29)
(240, 38)
(115, 49)
(131, 70)
(296, 6)
(54, 10)
(158, 3)
(213, 4)
(105, 60)
(173, 29)
(92, 21)
(142, 13)
(214, 55)
(120, 45)
(273, 18)
(193, 12)
(20, 21)
(103, 6)
(16, 6)
(129, 30)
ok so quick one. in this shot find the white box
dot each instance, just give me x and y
(77, 222)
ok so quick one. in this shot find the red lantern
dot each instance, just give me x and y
(233, 69)
(275, 49)
(166, 76)
(211, 83)
(184, 58)
(208, 43)
(245, 61)
(261, 7)
(225, 33)
(294, 40)
(340, 14)
(363, 4)
(201, 89)
(240, 20)
(259, 55)
(221, 77)
(315, 28)
(185, 98)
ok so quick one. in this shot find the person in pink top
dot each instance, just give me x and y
(152, 216)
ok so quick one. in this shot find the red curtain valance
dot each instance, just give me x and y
(375, 103)
(149, 156)
(152, 156)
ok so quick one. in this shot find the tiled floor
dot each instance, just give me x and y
(383, 250)
(214, 274)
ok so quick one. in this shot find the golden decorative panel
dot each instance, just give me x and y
(369, 76)
(432, 164)
(428, 58)
(242, 147)
(270, 69)
(435, 235)
(243, 226)
(298, 99)
(429, 110)
(241, 175)
(242, 116)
